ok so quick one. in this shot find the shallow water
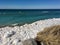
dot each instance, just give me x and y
(8, 17)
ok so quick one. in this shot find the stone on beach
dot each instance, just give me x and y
(9, 34)
(29, 42)
(16, 41)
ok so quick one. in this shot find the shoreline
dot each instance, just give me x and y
(18, 24)
(25, 32)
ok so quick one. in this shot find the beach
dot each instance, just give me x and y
(29, 22)
(18, 34)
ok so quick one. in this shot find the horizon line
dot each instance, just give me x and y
(29, 8)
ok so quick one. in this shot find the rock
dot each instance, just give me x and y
(0, 40)
(16, 41)
(9, 34)
(29, 42)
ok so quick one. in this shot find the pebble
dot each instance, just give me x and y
(9, 34)
(29, 42)
(16, 41)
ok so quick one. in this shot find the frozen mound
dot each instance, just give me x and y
(20, 35)
(50, 36)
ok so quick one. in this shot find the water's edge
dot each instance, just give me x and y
(17, 24)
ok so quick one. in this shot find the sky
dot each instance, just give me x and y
(29, 4)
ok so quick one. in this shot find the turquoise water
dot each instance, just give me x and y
(8, 17)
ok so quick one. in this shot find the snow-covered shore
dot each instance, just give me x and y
(18, 34)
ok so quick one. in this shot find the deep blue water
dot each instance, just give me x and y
(8, 17)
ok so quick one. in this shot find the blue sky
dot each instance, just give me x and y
(29, 4)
